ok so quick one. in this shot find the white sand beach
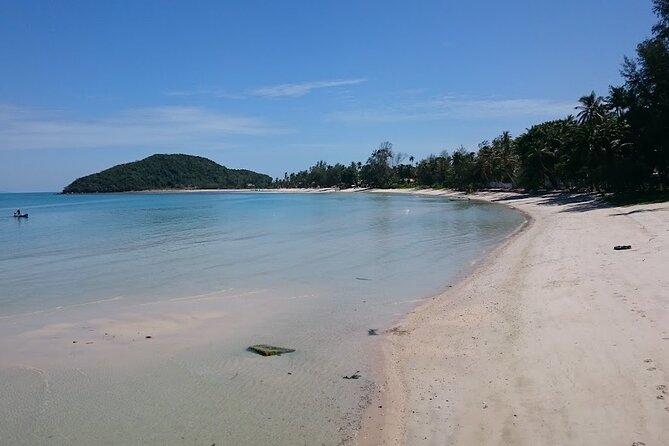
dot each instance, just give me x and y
(554, 339)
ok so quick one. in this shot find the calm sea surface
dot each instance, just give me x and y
(81, 248)
(311, 271)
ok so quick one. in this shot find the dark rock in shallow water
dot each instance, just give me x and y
(356, 375)
(269, 350)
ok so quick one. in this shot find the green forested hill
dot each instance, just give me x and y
(168, 172)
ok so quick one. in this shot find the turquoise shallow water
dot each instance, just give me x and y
(79, 248)
(206, 275)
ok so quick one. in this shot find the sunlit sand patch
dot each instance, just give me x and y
(61, 308)
(140, 332)
(165, 324)
(51, 331)
(136, 337)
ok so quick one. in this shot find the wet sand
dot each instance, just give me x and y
(176, 372)
(554, 339)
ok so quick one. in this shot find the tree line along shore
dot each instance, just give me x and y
(618, 143)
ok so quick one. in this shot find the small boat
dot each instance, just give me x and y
(21, 215)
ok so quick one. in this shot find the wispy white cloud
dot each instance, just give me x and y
(155, 127)
(271, 91)
(301, 88)
(459, 108)
(214, 92)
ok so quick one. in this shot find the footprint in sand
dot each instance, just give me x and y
(647, 361)
(651, 369)
(662, 388)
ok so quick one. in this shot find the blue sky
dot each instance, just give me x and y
(276, 86)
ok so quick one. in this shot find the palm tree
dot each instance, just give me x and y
(592, 109)
(487, 162)
(507, 157)
(617, 101)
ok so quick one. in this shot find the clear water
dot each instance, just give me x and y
(78, 248)
(312, 271)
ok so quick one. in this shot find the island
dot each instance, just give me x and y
(168, 172)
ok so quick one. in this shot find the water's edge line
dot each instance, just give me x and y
(373, 420)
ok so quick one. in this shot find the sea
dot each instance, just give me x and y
(125, 318)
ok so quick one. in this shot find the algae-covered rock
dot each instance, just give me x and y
(269, 350)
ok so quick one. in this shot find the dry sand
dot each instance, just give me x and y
(554, 339)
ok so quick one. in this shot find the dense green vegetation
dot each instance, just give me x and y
(168, 172)
(618, 143)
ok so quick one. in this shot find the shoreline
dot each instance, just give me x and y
(116, 345)
(547, 337)
(382, 421)
(553, 338)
